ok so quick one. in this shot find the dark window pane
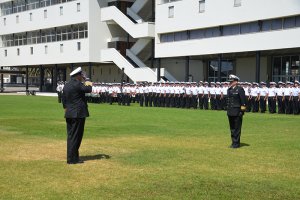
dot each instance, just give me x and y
(197, 34)
(251, 27)
(277, 66)
(170, 37)
(286, 65)
(231, 30)
(289, 22)
(163, 38)
(266, 25)
(298, 21)
(212, 32)
(181, 36)
(276, 24)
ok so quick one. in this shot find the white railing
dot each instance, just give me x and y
(142, 30)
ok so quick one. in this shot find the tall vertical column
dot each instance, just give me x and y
(90, 71)
(2, 80)
(158, 69)
(27, 78)
(219, 67)
(54, 80)
(41, 78)
(257, 74)
(187, 68)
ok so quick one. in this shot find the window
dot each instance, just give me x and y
(78, 7)
(202, 6)
(276, 24)
(61, 48)
(181, 36)
(46, 49)
(298, 21)
(61, 10)
(17, 19)
(169, 37)
(30, 16)
(251, 27)
(226, 69)
(4, 21)
(237, 3)
(286, 68)
(212, 32)
(5, 53)
(31, 50)
(45, 14)
(289, 22)
(78, 46)
(231, 30)
(197, 34)
(18, 51)
(171, 11)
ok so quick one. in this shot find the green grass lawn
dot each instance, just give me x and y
(155, 153)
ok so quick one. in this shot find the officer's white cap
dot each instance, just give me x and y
(233, 78)
(76, 71)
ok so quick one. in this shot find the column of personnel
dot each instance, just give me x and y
(281, 98)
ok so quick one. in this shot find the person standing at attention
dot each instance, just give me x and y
(236, 107)
(76, 110)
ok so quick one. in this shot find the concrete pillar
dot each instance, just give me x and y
(27, 78)
(90, 71)
(257, 74)
(41, 78)
(187, 68)
(219, 67)
(158, 69)
(2, 80)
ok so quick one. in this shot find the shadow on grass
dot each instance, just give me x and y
(244, 145)
(95, 157)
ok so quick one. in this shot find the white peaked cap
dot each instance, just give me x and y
(76, 71)
(233, 77)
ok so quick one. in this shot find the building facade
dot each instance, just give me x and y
(162, 40)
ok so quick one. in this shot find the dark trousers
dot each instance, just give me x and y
(235, 123)
(248, 104)
(146, 96)
(281, 107)
(141, 100)
(288, 105)
(59, 97)
(272, 104)
(218, 105)
(296, 105)
(150, 99)
(262, 104)
(75, 128)
(200, 102)
(255, 104)
(205, 102)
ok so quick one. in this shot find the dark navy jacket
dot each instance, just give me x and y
(235, 99)
(73, 99)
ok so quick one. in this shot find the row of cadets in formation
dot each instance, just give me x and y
(280, 97)
(177, 94)
(284, 97)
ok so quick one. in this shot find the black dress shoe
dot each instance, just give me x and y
(234, 146)
(75, 162)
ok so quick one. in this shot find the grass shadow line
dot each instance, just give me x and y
(95, 157)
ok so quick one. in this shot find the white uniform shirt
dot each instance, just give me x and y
(263, 91)
(272, 92)
(254, 92)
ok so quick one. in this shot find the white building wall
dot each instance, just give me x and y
(54, 19)
(177, 68)
(219, 12)
(246, 68)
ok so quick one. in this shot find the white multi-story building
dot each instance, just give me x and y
(184, 40)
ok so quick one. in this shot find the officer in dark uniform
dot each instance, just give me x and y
(76, 110)
(236, 107)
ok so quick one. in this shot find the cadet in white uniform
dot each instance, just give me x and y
(272, 98)
(263, 96)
